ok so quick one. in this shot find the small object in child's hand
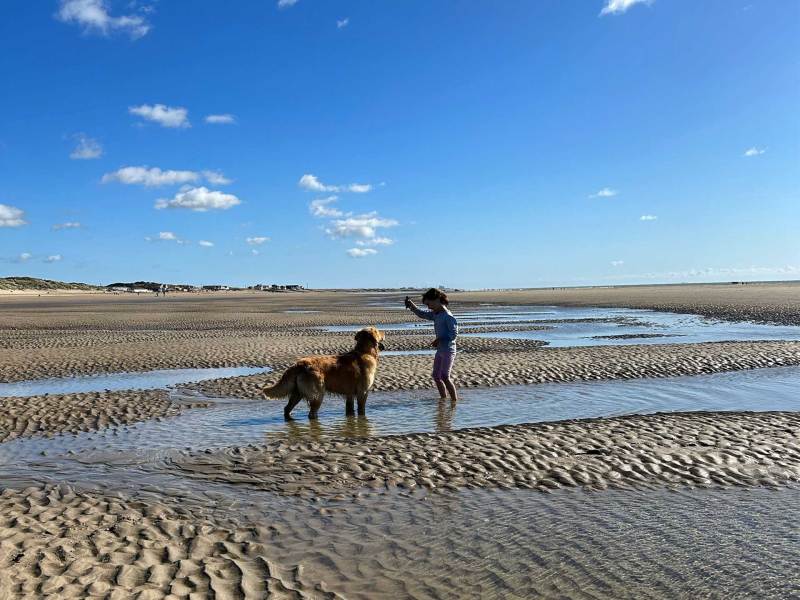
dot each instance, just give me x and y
(408, 301)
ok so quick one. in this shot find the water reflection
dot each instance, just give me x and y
(445, 411)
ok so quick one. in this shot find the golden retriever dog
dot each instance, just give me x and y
(350, 374)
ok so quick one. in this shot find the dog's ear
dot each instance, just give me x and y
(359, 335)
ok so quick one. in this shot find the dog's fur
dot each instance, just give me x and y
(350, 374)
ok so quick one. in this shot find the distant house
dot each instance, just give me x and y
(216, 288)
(294, 287)
(119, 289)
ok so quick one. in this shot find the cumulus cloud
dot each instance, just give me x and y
(754, 151)
(617, 263)
(86, 149)
(167, 236)
(53, 258)
(153, 177)
(364, 226)
(312, 183)
(25, 256)
(361, 252)
(206, 243)
(604, 193)
(648, 218)
(166, 116)
(225, 119)
(257, 240)
(150, 177)
(11, 216)
(321, 208)
(216, 178)
(340, 23)
(617, 7)
(67, 225)
(286, 3)
(376, 241)
(199, 199)
(93, 16)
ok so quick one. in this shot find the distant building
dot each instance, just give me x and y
(216, 288)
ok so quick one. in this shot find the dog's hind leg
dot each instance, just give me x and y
(349, 406)
(314, 404)
(362, 404)
(294, 398)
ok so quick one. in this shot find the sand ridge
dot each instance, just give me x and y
(62, 543)
(672, 449)
(72, 413)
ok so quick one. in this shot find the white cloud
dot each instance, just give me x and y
(226, 119)
(364, 226)
(254, 252)
(11, 216)
(617, 263)
(67, 225)
(86, 149)
(53, 258)
(166, 116)
(257, 241)
(340, 23)
(150, 177)
(93, 16)
(312, 183)
(320, 208)
(617, 7)
(286, 3)
(604, 193)
(754, 151)
(648, 218)
(25, 256)
(358, 188)
(216, 178)
(167, 236)
(153, 177)
(376, 241)
(206, 243)
(199, 199)
(361, 252)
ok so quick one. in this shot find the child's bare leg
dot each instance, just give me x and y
(451, 389)
(441, 388)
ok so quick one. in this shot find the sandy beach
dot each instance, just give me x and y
(77, 527)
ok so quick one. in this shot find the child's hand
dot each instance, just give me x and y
(435, 343)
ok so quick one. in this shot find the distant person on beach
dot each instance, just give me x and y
(445, 326)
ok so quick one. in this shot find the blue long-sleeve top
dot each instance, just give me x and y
(444, 324)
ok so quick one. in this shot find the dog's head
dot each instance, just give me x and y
(371, 337)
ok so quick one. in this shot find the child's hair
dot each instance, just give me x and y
(435, 294)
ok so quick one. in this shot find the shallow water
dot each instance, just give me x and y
(232, 422)
(145, 380)
(569, 327)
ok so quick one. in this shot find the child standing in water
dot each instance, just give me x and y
(446, 327)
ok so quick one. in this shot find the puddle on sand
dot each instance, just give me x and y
(232, 422)
(146, 380)
(603, 327)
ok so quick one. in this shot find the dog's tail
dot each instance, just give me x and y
(285, 385)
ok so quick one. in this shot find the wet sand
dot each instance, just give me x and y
(675, 449)
(79, 543)
(761, 302)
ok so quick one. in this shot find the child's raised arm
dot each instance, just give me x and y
(422, 314)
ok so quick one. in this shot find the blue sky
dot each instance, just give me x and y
(361, 143)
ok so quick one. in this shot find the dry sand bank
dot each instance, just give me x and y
(72, 413)
(56, 542)
(763, 302)
(673, 449)
(497, 367)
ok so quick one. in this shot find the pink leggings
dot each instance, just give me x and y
(442, 364)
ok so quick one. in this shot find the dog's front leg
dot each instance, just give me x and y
(349, 406)
(362, 404)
